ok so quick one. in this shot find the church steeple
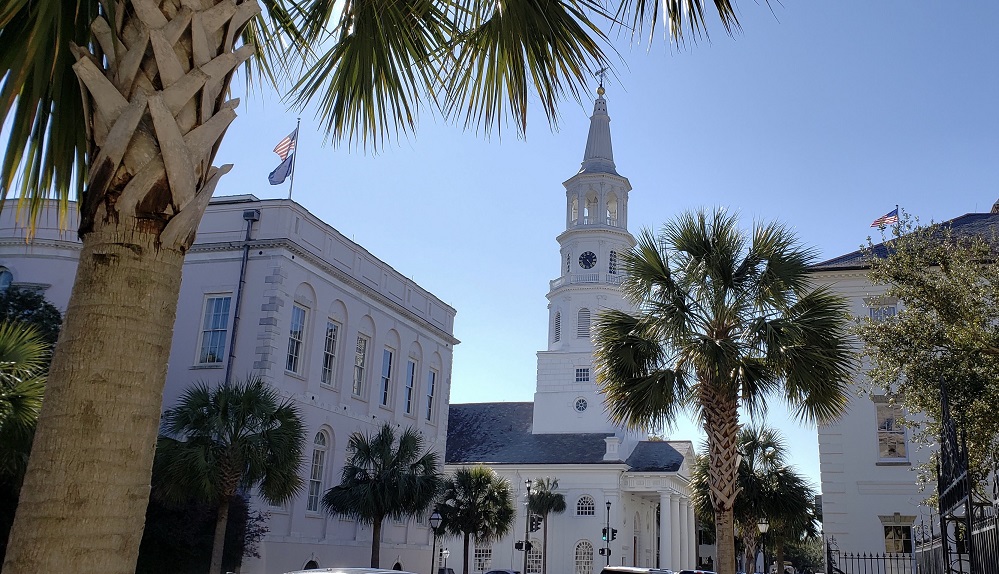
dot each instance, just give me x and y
(599, 154)
(596, 235)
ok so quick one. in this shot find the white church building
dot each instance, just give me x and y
(270, 289)
(608, 476)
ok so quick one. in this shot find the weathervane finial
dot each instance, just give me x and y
(601, 73)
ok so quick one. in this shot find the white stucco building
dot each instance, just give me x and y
(871, 497)
(271, 290)
(607, 475)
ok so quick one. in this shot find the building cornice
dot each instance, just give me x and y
(298, 250)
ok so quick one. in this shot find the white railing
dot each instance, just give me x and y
(608, 221)
(575, 279)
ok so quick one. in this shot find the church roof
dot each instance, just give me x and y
(969, 224)
(500, 433)
(599, 154)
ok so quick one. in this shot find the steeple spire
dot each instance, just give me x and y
(599, 155)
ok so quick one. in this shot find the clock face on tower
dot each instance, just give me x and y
(587, 260)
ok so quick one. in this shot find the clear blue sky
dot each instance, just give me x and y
(821, 114)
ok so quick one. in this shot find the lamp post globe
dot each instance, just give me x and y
(435, 523)
(763, 525)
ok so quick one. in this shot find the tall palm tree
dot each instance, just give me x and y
(385, 476)
(122, 104)
(725, 318)
(219, 442)
(768, 489)
(476, 503)
(543, 502)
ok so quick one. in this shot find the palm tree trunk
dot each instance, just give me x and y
(155, 117)
(87, 485)
(218, 545)
(544, 547)
(376, 541)
(721, 424)
(464, 554)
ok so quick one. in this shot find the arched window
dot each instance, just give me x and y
(574, 210)
(319, 447)
(585, 506)
(612, 263)
(590, 209)
(558, 327)
(612, 211)
(584, 557)
(534, 558)
(583, 324)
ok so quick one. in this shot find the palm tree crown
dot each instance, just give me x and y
(725, 319)
(220, 441)
(476, 503)
(385, 477)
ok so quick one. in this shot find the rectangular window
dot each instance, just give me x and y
(891, 435)
(214, 330)
(582, 375)
(882, 313)
(360, 356)
(295, 337)
(329, 353)
(431, 389)
(898, 539)
(483, 558)
(386, 389)
(410, 385)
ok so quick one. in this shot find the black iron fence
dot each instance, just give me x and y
(871, 563)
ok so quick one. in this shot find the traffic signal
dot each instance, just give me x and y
(613, 534)
(528, 545)
(603, 536)
(602, 551)
(535, 522)
(519, 545)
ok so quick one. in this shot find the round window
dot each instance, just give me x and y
(580, 404)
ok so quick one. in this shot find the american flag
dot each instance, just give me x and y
(887, 219)
(287, 145)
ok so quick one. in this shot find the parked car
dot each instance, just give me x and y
(503, 571)
(634, 570)
(695, 572)
(336, 570)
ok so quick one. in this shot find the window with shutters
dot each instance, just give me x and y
(558, 327)
(583, 324)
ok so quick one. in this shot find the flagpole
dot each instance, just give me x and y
(294, 157)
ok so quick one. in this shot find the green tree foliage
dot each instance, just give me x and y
(178, 537)
(385, 477)
(945, 331)
(23, 357)
(726, 319)
(476, 503)
(220, 442)
(768, 489)
(31, 307)
(544, 501)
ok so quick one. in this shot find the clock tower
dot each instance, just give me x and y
(595, 236)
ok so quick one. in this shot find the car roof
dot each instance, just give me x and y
(335, 570)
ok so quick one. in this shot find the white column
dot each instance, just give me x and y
(691, 535)
(674, 510)
(685, 561)
(665, 531)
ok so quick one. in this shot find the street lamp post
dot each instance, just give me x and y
(435, 523)
(763, 525)
(607, 536)
(527, 524)
(445, 553)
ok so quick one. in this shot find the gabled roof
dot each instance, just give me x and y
(969, 224)
(500, 433)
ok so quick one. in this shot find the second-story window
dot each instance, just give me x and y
(386, 388)
(891, 434)
(329, 353)
(410, 386)
(431, 391)
(295, 337)
(360, 357)
(214, 330)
